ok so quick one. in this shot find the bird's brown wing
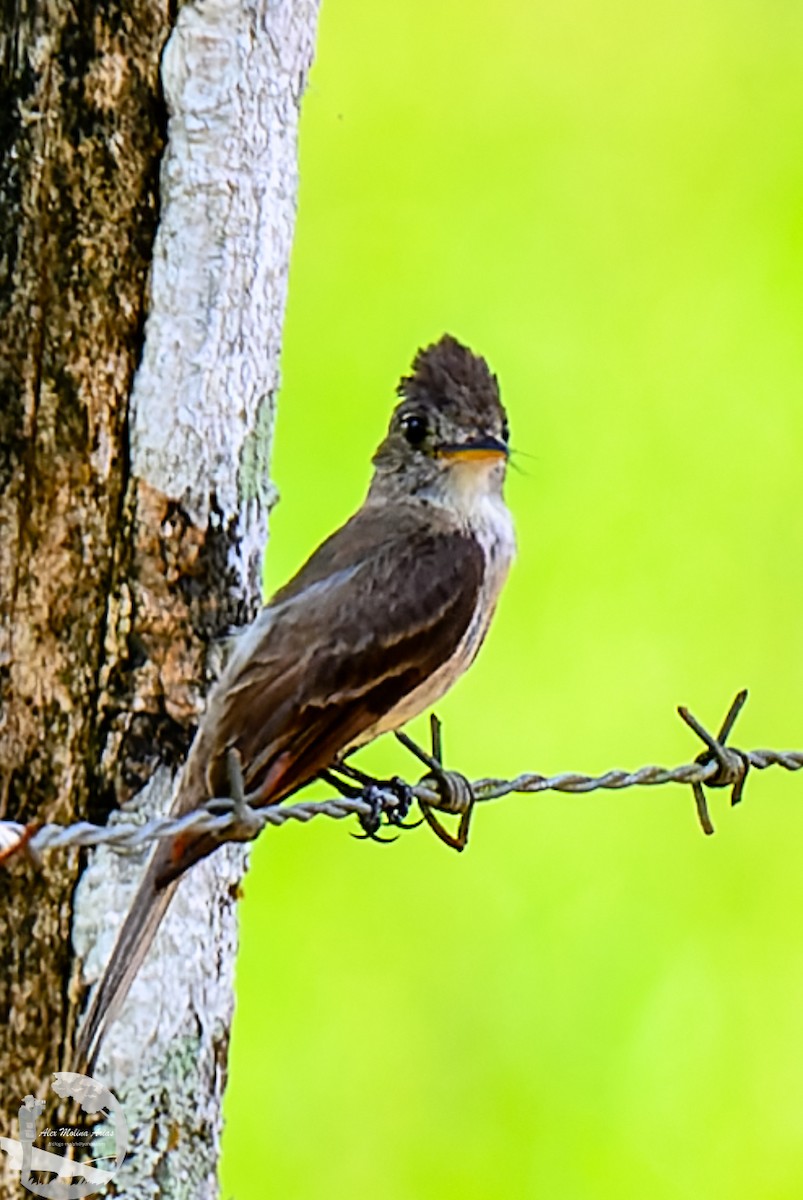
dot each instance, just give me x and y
(340, 650)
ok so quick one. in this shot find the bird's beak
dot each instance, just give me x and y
(474, 450)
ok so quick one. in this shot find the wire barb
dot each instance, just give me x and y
(455, 793)
(244, 821)
(732, 765)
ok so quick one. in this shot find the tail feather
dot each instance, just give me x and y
(133, 942)
(142, 921)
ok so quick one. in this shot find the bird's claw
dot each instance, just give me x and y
(375, 794)
(374, 836)
(408, 824)
(404, 802)
(453, 789)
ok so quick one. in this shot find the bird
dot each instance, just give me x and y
(373, 629)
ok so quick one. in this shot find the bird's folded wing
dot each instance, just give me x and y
(379, 607)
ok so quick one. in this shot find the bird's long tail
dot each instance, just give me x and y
(151, 901)
(168, 863)
(133, 942)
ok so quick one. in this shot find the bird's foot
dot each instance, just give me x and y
(375, 793)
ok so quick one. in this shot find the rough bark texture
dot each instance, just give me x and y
(81, 136)
(132, 507)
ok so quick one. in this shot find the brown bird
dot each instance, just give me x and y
(375, 627)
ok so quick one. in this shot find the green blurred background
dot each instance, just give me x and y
(595, 1000)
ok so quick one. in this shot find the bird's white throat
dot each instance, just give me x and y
(472, 492)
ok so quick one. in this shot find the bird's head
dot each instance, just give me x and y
(449, 434)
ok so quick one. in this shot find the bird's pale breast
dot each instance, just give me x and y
(489, 521)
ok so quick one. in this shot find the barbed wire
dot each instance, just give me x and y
(719, 765)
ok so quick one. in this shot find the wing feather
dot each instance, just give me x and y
(390, 619)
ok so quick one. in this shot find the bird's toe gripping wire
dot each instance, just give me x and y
(388, 799)
(732, 764)
(453, 789)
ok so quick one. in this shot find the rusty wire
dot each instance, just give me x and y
(719, 765)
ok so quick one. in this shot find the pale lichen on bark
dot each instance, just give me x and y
(201, 422)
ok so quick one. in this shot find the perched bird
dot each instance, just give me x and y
(375, 627)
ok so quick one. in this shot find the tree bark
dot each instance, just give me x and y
(134, 495)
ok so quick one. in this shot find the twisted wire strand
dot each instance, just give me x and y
(126, 836)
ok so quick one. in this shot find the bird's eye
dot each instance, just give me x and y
(505, 431)
(414, 428)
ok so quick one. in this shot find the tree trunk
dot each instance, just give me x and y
(134, 495)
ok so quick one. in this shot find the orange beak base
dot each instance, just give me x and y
(477, 450)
